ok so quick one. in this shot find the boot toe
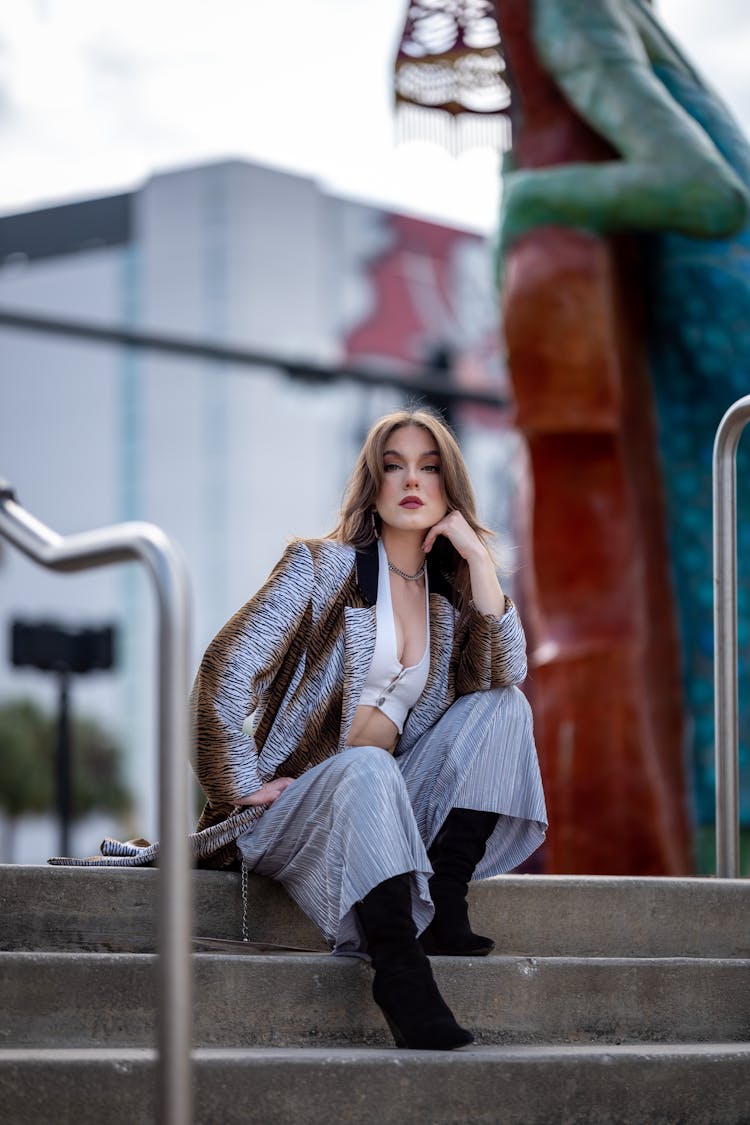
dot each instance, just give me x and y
(458, 945)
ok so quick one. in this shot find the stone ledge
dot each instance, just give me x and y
(633, 1085)
(113, 909)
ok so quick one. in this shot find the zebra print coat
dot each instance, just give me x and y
(278, 687)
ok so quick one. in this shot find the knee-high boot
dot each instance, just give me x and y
(404, 987)
(454, 855)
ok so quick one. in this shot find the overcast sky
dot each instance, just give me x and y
(97, 94)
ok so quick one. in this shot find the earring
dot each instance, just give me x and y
(375, 529)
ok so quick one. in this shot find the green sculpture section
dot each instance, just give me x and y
(665, 173)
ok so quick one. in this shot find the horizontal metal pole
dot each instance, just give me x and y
(149, 545)
(422, 381)
(726, 722)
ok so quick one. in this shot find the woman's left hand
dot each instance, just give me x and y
(460, 533)
(486, 591)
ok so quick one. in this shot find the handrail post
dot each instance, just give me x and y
(726, 724)
(149, 545)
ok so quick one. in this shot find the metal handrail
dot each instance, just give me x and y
(726, 723)
(147, 544)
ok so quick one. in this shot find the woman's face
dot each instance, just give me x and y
(411, 496)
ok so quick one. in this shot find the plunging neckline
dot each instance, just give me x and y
(389, 616)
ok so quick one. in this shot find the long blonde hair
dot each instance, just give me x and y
(358, 520)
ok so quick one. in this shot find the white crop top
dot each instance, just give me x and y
(390, 687)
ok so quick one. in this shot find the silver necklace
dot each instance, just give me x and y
(403, 574)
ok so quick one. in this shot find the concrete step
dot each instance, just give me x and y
(110, 908)
(89, 999)
(565, 1085)
(113, 909)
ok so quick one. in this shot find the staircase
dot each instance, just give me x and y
(609, 1000)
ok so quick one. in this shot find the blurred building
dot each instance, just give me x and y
(230, 460)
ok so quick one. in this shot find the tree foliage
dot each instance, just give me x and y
(28, 746)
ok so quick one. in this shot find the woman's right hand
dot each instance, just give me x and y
(267, 793)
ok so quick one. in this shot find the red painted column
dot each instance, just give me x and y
(605, 659)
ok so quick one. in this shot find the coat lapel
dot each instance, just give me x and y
(359, 645)
(368, 566)
(438, 692)
(359, 637)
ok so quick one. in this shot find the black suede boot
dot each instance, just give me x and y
(404, 988)
(454, 855)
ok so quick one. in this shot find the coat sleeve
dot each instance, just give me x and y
(238, 666)
(493, 652)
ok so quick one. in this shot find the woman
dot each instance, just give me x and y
(365, 700)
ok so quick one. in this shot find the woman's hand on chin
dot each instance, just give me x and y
(486, 591)
(461, 534)
(267, 793)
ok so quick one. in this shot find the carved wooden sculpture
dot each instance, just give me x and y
(624, 260)
(607, 679)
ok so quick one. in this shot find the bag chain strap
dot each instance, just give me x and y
(243, 885)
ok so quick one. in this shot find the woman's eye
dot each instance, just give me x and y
(387, 468)
(432, 468)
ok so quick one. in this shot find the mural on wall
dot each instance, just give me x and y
(428, 287)
(625, 293)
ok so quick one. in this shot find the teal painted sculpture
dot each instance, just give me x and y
(675, 168)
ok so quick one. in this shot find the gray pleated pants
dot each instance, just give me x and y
(364, 816)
